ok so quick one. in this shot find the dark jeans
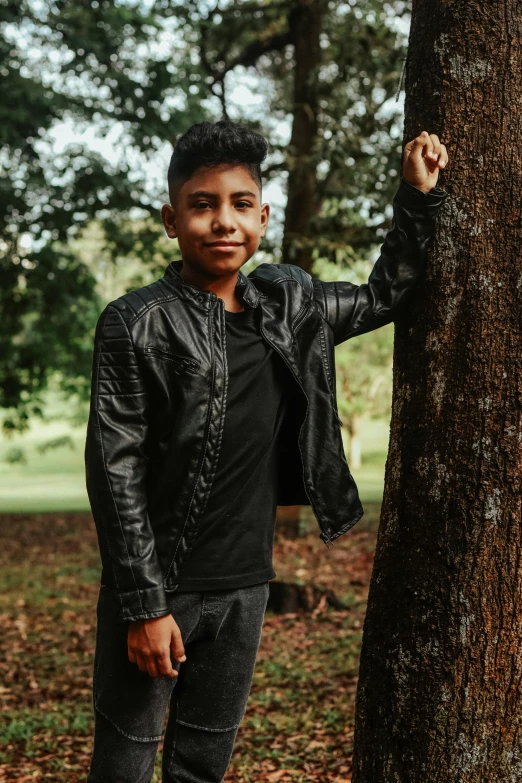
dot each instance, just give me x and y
(221, 632)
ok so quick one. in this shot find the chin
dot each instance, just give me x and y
(228, 263)
(230, 266)
(213, 264)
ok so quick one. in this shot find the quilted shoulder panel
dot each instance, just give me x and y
(300, 275)
(280, 273)
(134, 304)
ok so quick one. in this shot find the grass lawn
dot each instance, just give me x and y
(55, 480)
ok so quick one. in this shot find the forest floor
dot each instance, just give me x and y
(299, 721)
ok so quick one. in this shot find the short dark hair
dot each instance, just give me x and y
(214, 143)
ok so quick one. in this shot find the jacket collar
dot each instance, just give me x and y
(245, 290)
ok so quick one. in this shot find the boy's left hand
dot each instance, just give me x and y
(423, 157)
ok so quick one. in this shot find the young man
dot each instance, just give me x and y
(213, 401)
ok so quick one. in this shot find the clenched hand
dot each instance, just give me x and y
(150, 643)
(423, 157)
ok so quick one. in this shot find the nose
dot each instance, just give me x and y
(224, 220)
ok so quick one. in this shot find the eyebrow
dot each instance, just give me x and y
(208, 194)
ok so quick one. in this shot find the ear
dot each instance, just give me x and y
(265, 214)
(168, 216)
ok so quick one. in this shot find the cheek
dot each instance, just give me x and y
(252, 230)
(195, 226)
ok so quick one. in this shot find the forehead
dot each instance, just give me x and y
(223, 180)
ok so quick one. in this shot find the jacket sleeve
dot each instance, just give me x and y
(116, 466)
(355, 309)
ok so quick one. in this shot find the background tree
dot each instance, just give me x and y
(439, 696)
(363, 367)
(364, 372)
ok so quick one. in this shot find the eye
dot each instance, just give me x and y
(198, 204)
(246, 203)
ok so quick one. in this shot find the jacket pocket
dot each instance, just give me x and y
(181, 363)
(299, 318)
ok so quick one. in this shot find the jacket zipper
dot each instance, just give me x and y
(184, 361)
(299, 317)
(324, 535)
(202, 457)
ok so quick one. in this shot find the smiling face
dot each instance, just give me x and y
(218, 220)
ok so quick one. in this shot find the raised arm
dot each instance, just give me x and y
(352, 309)
(115, 472)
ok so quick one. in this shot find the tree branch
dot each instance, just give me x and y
(254, 50)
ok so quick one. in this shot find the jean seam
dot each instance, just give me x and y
(155, 738)
(96, 665)
(94, 675)
(205, 728)
(172, 749)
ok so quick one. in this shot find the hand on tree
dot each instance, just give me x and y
(150, 643)
(423, 157)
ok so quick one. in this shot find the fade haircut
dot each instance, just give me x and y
(212, 144)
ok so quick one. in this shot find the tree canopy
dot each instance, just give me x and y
(143, 72)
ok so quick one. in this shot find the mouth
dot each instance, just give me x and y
(223, 244)
(224, 247)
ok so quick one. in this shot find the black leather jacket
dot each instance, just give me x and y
(159, 390)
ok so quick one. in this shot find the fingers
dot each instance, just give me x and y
(443, 157)
(146, 664)
(156, 665)
(176, 644)
(436, 151)
(428, 146)
(149, 646)
(165, 667)
(413, 149)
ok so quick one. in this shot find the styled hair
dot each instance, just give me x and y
(214, 143)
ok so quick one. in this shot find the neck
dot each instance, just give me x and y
(224, 287)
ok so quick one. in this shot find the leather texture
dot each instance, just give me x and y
(159, 390)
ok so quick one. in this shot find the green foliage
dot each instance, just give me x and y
(55, 443)
(15, 456)
(49, 309)
(363, 365)
(145, 71)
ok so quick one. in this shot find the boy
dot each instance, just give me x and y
(213, 401)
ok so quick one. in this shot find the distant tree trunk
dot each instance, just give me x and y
(439, 695)
(305, 29)
(288, 518)
(354, 428)
(302, 204)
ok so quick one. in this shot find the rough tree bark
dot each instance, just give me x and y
(439, 695)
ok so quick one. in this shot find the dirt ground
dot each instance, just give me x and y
(299, 722)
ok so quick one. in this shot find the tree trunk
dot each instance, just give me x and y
(288, 521)
(354, 428)
(288, 597)
(306, 25)
(439, 695)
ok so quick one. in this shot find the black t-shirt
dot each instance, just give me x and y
(233, 545)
